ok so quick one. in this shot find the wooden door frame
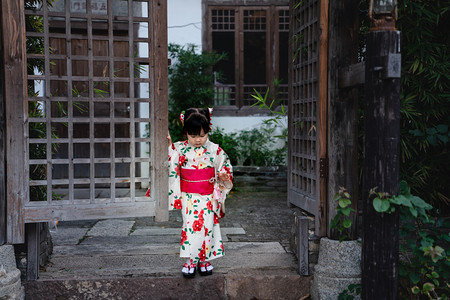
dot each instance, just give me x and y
(16, 113)
(15, 87)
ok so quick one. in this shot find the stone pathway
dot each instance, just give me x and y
(256, 231)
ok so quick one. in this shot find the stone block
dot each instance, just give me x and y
(10, 285)
(339, 265)
(265, 284)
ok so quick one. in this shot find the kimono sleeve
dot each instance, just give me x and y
(174, 178)
(223, 164)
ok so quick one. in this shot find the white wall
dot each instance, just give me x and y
(184, 18)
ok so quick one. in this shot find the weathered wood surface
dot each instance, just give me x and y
(381, 169)
(15, 95)
(106, 177)
(303, 246)
(2, 148)
(246, 2)
(352, 75)
(321, 217)
(89, 212)
(343, 106)
(159, 184)
(33, 250)
(307, 119)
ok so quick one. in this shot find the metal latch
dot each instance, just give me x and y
(323, 167)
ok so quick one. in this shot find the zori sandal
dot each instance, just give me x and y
(205, 268)
(188, 270)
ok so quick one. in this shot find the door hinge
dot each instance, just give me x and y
(323, 167)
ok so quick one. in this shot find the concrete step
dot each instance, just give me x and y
(239, 285)
(115, 259)
(249, 270)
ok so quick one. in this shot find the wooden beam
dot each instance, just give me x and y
(352, 76)
(343, 107)
(2, 148)
(303, 245)
(321, 217)
(13, 23)
(380, 260)
(160, 112)
(33, 250)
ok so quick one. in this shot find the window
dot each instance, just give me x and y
(255, 39)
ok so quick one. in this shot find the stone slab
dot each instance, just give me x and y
(134, 240)
(158, 249)
(68, 235)
(102, 249)
(160, 260)
(266, 285)
(151, 231)
(211, 287)
(111, 227)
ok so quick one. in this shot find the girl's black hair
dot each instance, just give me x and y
(196, 119)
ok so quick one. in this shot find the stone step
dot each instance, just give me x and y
(249, 270)
(242, 284)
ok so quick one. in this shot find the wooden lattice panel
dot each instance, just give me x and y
(303, 106)
(91, 108)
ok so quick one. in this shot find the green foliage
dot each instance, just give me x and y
(410, 204)
(425, 105)
(342, 221)
(425, 266)
(190, 82)
(350, 292)
(279, 117)
(254, 147)
(228, 142)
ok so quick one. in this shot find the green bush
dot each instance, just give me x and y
(254, 147)
(191, 82)
(425, 102)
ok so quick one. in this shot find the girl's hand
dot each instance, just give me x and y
(224, 176)
(169, 138)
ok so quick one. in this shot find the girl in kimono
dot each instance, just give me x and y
(200, 178)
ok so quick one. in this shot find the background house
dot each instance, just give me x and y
(255, 36)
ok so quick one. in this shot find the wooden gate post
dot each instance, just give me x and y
(381, 164)
(2, 150)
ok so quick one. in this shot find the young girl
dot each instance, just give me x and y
(200, 177)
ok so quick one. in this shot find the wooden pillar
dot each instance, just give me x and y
(381, 164)
(33, 250)
(2, 145)
(160, 109)
(343, 108)
(16, 106)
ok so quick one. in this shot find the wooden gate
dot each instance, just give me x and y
(308, 109)
(87, 119)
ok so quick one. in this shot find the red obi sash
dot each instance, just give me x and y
(199, 181)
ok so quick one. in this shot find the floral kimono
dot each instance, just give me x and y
(195, 189)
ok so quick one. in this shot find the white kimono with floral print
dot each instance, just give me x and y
(200, 235)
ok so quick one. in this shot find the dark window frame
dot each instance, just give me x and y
(240, 105)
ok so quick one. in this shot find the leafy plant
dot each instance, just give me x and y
(228, 142)
(425, 105)
(425, 265)
(279, 116)
(254, 147)
(342, 221)
(350, 292)
(190, 82)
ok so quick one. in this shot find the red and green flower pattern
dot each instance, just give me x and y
(200, 236)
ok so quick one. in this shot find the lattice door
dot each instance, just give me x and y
(307, 131)
(97, 103)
